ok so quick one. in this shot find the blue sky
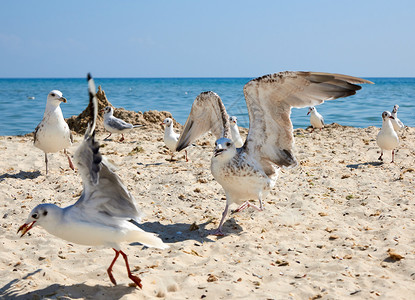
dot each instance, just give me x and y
(212, 38)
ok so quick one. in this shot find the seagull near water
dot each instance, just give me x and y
(105, 214)
(250, 172)
(397, 124)
(116, 125)
(316, 119)
(236, 137)
(170, 137)
(53, 133)
(387, 139)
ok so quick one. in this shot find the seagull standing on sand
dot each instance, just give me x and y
(170, 137)
(236, 137)
(105, 214)
(53, 133)
(115, 125)
(397, 124)
(387, 139)
(250, 172)
(316, 119)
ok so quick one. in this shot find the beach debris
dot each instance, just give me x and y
(212, 278)
(393, 255)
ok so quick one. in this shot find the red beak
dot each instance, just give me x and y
(25, 228)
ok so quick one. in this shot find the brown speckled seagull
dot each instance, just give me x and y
(250, 172)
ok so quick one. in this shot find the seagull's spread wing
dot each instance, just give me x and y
(207, 113)
(103, 190)
(269, 100)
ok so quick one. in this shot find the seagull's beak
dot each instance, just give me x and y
(63, 99)
(390, 117)
(308, 112)
(25, 228)
(218, 150)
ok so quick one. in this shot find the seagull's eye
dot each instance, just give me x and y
(35, 216)
(45, 212)
(228, 144)
(52, 94)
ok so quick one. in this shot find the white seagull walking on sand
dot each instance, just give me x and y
(53, 133)
(170, 137)
(387, 139)
(105, 214)
(236, 137)
(250, 172)
(116, 125)
(316, 119)
(397, 124)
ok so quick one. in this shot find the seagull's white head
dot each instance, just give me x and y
(386, 116)
(44, 215)
(55, 98)
(108, 111)
(311, 109)
(395, 108)
(224, 149)
(167, 121)
(233, 120)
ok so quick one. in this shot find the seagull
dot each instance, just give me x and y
(387, 139)
(115, 125)
(105, 214)
(397, 124)
(53, 133)
(316, 119)
(236, 137)
(171, 137)
(250, 172)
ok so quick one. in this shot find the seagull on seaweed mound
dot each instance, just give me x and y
(316, 120)
(53, 133)
(236, 137)
(116, 125)
(397, 124)
(387, 139)
(170, 137)
(250, 172)
(105, 214)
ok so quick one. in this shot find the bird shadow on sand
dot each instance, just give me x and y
(371, 163)
(21, 175)
(179, 232)
(12, 290)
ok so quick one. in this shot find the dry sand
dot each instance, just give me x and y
(339, 226)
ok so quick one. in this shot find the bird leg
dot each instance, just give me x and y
(109, 270)
(46, 161)
(393, 156)
(108, 136)
(185, 151)
(218, 231)
(381, 154)
(248, 204)
(69, 160)
(122, 137)
(136, 279)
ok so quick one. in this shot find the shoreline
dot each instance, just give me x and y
(326, 231)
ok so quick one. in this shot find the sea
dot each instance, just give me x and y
(22, 101)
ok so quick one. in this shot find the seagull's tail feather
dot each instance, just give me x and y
(149, 239)
(146, 238)
(136, 126)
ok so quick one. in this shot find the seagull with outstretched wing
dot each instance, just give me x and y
(250, 172)
(105, 214)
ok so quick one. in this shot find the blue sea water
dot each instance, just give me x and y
(20, 114)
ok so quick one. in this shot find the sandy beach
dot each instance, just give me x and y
(339, 226)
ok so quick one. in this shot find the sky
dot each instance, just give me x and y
(215, 38)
